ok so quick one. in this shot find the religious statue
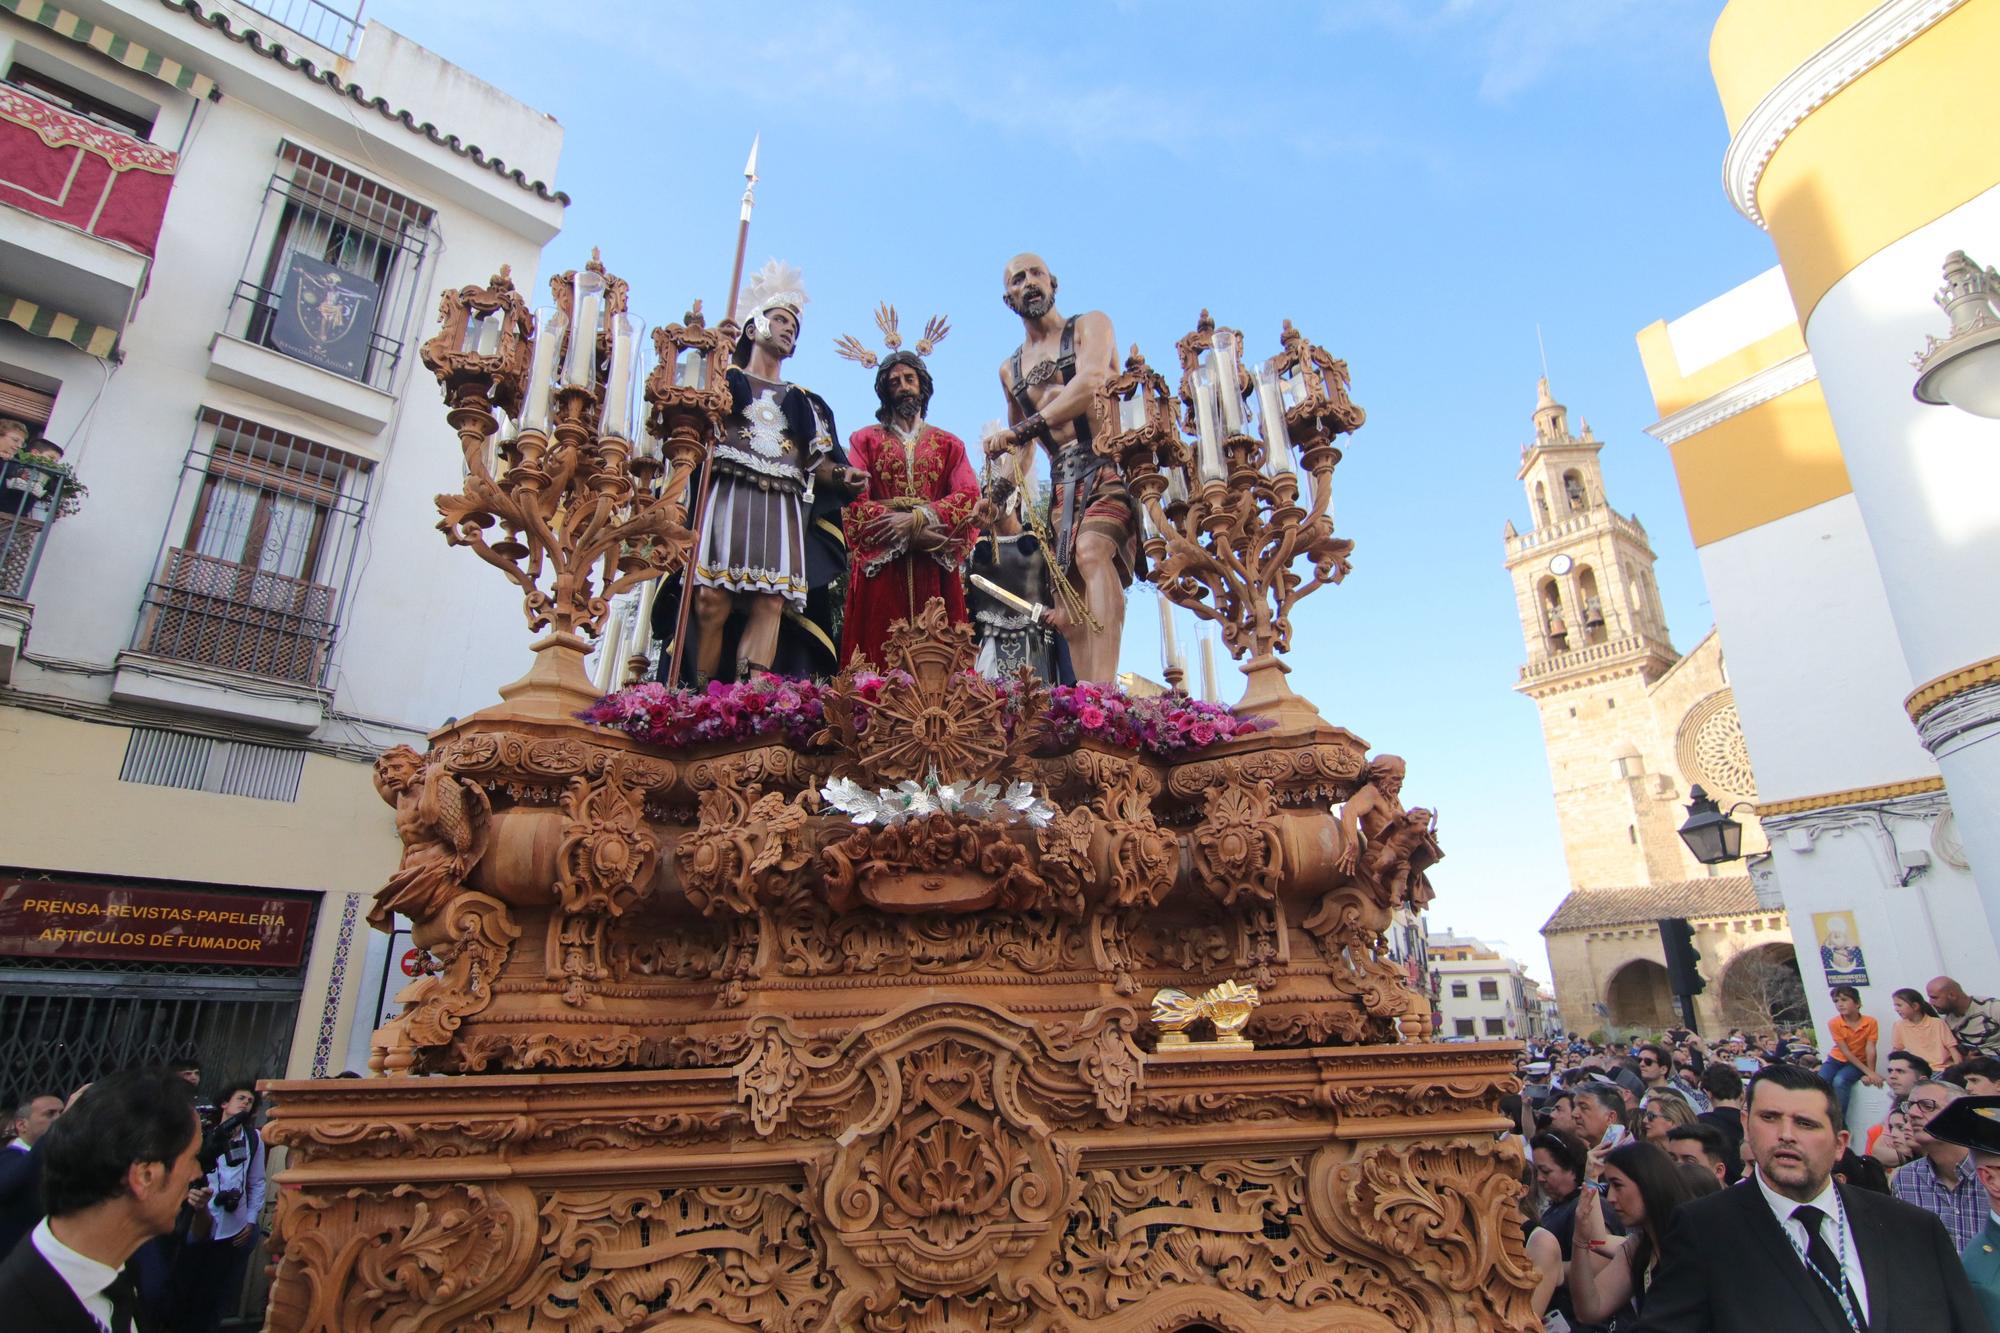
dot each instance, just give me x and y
(768, 547)
(1385, 846)
(1008, 556)
(909, 532)
(1050, 382)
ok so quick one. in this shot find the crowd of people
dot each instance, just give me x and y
(131, 1204)
(1657, 1170)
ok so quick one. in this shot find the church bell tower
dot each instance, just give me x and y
(1596, 638)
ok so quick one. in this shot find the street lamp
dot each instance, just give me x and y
(1963, 368)
(1710, 834)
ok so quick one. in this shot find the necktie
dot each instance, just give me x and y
(1821, 1256)
(124, 1301)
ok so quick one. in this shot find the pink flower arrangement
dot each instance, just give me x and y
(793, 711)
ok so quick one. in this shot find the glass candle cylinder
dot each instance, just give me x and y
(617, 418)
(1132, 411)
(1228, 382)
(580, 370)
(691, 370)
(1209, 465)
(541, 369)
(1277, 436)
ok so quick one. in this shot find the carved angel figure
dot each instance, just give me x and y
(1383, 845)
(443, 823)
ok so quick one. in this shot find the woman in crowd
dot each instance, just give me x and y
(1660, 1112)
(1608, 1275)
(1560, 1161)
(1852, 1058)
(1920, 1031)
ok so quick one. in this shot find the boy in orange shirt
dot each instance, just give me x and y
(1852, 1059)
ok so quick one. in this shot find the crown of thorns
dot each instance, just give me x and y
(935, 331)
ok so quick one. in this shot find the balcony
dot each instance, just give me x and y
(31, 498)
(233, 640)
(88, 202)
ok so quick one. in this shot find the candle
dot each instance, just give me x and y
(618, 381)
(1169, 650)
(691, 371)
(580, 371)
(541, 370)
(1208, 428)
(1208, 669)
(1177, 490)
(1229, 381)
(1277, 436)
(607, 651)
(1132, 411)
(642, 624)
(489, 335)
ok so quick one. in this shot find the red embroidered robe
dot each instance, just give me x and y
(887, 581)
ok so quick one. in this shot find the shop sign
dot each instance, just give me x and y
(44, 918)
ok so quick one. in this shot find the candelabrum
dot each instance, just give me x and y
(1229, 515)
(587, 494)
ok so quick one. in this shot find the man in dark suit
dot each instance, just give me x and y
(115, 1169)
(1790, 1249)
(21, 1169)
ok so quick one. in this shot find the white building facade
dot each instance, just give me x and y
(1481, 994)
(221, 245)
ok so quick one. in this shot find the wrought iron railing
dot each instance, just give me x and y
(238, 618)
(30, 498)
(332, 26)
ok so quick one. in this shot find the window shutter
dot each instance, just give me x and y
(25, 404)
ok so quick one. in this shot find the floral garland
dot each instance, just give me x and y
(794, 711)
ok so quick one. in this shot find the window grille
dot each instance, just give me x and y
(321, 220)
(30, 498)
(258, 553)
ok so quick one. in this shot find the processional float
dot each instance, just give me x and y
(850, 1029)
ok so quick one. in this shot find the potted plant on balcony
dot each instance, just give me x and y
(38, 476)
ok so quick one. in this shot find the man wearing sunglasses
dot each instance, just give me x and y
(1940, 1181)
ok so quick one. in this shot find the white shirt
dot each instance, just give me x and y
(1830, 1230)
(18, 1146)
(86, 1277)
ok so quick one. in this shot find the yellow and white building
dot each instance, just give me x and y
(199, 664)
(1849, 535)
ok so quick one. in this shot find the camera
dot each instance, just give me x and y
(227, 1200)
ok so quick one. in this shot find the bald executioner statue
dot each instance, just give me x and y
(1050, 382)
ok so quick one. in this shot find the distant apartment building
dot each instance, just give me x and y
(1481, 993)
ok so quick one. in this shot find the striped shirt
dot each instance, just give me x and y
(1962, 1209)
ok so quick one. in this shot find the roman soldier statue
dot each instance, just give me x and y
(768, 545)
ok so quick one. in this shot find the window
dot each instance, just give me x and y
(1573, 491)
(1496, 1027)
(1458, 990)
(30, 495)
(254, 580)
(335, 269)
(1489, 989)
(1466, 1027)
(77, 102)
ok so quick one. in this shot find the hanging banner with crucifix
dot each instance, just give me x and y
(325, 316)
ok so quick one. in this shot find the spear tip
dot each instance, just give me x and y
(750, 167)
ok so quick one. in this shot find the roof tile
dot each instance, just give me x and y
(1589, 909)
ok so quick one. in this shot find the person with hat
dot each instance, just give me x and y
(911, 529)
(1974, 1123)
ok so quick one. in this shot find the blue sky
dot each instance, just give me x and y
(1416, 184)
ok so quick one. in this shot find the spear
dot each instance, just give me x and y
(701, 501)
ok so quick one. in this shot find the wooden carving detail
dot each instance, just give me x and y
(931, 713)
(476, 937)
(813, 942)
(748, 844)
(943, 863)
(444, 824)
(1386, 847)
(951, 1176)
(1445, 1216)
(776, 1071)
(1143, 859)
(604, 863)
(435, 1256)
(1236, 847)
